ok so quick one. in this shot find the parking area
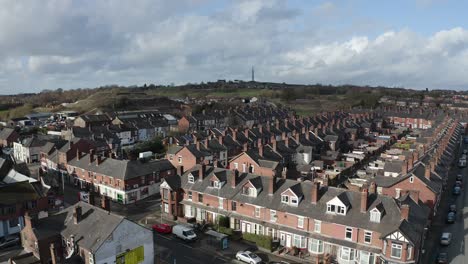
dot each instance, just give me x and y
(451, 218)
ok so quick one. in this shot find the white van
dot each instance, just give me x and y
(462, 163)
(184, 232)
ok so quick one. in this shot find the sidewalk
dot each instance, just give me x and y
(228, 254)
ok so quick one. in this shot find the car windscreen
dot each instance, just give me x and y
(252, 255)
(188, 233)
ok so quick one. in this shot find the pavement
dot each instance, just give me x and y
(458, 248)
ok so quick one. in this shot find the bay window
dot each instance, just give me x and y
(315, 246)
(396, 251)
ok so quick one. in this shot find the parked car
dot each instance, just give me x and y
(458, 183)
(162, 228)
(450, 218)
(453, 208)
(456, 190)
(462, 163)
(9, 241)
(442, 258)
(465, 151)
(248, 257)
(459, 177)
(446, 238)
(184, 232)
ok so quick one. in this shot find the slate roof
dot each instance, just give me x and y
(390, 221)
(121, 169)
(90, 233)
(6, 132)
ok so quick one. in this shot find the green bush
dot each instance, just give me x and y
(225, 230)
(261, 240)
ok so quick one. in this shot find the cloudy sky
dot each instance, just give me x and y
(72, 44)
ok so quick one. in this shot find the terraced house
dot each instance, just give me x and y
(125, 181)
(353, 227)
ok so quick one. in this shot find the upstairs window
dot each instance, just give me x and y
(300, 222)
(337, 209)
(367, 237)
(233, 206)
(200, 198)
(189, 195)
(317, 226)
(215, 184)
(396, 251)
(273, 216)
(249, 191)
(375, 216)
(349, 233)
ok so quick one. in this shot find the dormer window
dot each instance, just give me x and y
(249, 191)
(375, 215)
(338, 205)
(191, 179)
(216, 184)
(336, 209)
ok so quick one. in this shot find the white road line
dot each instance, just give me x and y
(167, 238)
(187, 246)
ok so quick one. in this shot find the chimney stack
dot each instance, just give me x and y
(364, 200)
(246, 133)
(201, 172)
(98, 160)
(180, 170)
(234, 178)
(427, 171)
(197, 144)
(271, 185)
(284, 173)
(77, 213)
(91, 198)
(286, 142)
(91, 156)
(29, 220)
(105, 203)
(373, 188)
(260, 150)
(78, 154)
(410, 163)
(315, 192)
(245, 147)
(404, 210)
(414, 194)
(220, 140)
(273, 143)
(404, 168)
(205, 142)
(297, 137)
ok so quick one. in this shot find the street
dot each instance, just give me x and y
(456, 250)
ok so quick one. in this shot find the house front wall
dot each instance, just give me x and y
(245, 164)
(128, 236)
(426, 195)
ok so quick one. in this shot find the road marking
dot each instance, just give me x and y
(187, 246)
(167, 238)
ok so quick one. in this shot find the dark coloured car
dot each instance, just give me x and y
(442, 258)
(450, 218)
(453, 208)
(459, 177)
(456, 190)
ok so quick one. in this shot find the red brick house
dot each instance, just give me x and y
(350, 226)
(125, 181)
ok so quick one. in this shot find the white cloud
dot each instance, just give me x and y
(90, 43)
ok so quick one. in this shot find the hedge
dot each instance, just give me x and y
(225, 230)
(223, 221)
(261, 240)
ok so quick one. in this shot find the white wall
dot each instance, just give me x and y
(127, 235)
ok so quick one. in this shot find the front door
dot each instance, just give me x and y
(283, 239)
(209, 217)
(243, 227)
(288, 241)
